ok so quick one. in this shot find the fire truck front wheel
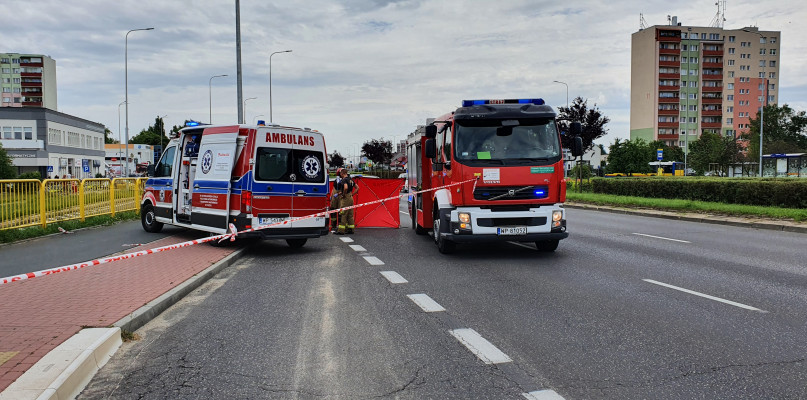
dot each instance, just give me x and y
(444, 245)
(148, 220)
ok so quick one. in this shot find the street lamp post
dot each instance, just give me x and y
(120, 136)
(244, 118)
(126, 84)
(567, 92)
(270, 82)
(764, 100)
(210, 94)
(255, 119)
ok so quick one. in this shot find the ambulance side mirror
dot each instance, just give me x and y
(150, 170)
(431, 148)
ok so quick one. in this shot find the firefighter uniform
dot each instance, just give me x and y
(346, 223)
(335, 200)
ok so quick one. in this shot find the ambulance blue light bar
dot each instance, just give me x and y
(469, 103)
(191, 123)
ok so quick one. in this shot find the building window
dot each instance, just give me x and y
(772, 75)
(730, 86)
(731, 62)
(703, 36)
(771, 63)
(6, 70)
(693, 60)
(772, 86)
(771, 99)
(732, 39)
(773, 40)
(730, 97)
(6, 90)
(731, 50)
(7, 133)
(15, 60)
(4, 60)
(29, 133)
(773, 52)
(762, 51)
(762, 40)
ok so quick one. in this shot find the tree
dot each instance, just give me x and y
(630, 156)
(107, 138)
(592, 120)
(785, 131)
(709, 149)
(336, 159)
(377, 151)
(154, 135)
(7, 168)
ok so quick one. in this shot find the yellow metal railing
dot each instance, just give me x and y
(29, 202)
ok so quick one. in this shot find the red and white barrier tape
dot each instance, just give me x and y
(220, 238)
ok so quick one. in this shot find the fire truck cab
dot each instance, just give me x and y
(512, 149)
(209, 177)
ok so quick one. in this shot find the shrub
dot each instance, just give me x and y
(788, 193)
(30, 175)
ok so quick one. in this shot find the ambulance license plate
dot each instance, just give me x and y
(271, 220)
(513, 230)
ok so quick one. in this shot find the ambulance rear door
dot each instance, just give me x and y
(212, 180)
(310, 179)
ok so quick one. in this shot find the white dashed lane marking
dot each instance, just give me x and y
(393, 277)
(733, 303)
(425, 302)
(545, 394)
(357, 247)
(661, 237)
(484, 350)
(346, 239)
(373, 260)
(523, 245)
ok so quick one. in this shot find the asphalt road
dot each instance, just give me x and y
(627, 308)
(81, 245)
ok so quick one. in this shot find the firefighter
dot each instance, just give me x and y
(346, 187)
(335, 199)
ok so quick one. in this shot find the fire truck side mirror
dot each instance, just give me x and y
(575, 129)
(431, 131)
(577, 146)
(431, 148)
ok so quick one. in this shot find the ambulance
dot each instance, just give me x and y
(210, 177)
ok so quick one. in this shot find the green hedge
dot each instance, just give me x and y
(788, 193)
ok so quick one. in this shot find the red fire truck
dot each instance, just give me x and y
(508, 153)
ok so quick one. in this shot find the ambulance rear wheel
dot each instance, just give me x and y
(148, 219)
(296, 243)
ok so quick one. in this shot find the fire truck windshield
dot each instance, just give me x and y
(530, 141)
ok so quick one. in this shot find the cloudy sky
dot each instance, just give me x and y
(360, 69)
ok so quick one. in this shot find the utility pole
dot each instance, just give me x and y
(238, 61)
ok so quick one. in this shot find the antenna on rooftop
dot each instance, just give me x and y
(642, 22)
(720, 17)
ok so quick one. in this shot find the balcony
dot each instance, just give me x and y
(669, 51)
(664, 88)
(712, 77)
(668, 112)
(712, 65)
(711, 113)
(31, 84)
(30, 64)
(32, 104)
(707, 100)
(712, 53)
(668, 63)
(673, 136)
(712, 125)
(668, 76)
(31, 74)
(665, 100)
(668, 124)
(713, 89)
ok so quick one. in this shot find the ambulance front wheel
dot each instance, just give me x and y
(296, 243)
(148, 219)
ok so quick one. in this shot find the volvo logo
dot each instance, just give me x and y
(511, 192)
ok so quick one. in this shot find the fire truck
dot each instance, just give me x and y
(505, 160)
(211, 177)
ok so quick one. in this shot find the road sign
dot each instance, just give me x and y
(85, 164)
(659, 154)
(50, 168)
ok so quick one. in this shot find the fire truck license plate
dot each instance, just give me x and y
(515, 230)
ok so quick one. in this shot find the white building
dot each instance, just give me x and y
(52, 143)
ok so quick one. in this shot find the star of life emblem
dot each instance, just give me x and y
(207, 161)
(311, 167)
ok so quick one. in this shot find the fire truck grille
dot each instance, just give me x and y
(510, 193)
(525, 221)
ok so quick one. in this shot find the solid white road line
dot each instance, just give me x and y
(393, 277)
(704, 295)
(357, 247)
(373, 260)
(546, 394)
(659, 237)
(425, 302)
(346, 239)
(522, 245)
(478, 345)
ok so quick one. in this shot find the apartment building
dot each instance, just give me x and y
(688, 80)
(27, 80)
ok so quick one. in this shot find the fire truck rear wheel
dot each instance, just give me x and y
(296, 243)
(444, 245)
(148, 220)
(547, 245)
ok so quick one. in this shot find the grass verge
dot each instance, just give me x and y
(689, 206)
(13, 235)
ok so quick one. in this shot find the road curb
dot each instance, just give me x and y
(66, 370)
(153, 308)
(702, 219)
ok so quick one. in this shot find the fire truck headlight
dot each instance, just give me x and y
(464, 217)
(557, 216)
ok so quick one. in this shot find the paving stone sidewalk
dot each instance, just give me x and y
(41, 313)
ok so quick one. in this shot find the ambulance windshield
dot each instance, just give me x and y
(523, 141)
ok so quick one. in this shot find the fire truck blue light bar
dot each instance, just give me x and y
(469, 103)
